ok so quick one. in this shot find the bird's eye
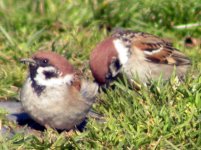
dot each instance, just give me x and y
(45, 61)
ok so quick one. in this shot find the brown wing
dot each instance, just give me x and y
(158, 50)
(77, 80)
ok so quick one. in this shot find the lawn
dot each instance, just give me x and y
(159, 116)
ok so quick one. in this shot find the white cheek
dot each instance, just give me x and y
(41, 80)
(122, 51)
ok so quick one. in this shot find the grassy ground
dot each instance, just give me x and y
(160, 116)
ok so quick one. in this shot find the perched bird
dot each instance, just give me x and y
(136, 53)
(54, 94)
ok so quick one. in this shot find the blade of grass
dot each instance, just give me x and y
(7, 36)
(172, 145)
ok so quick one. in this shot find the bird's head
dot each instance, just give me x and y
(107, 58)
(48, 68)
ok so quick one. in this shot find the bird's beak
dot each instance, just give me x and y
(28, 61)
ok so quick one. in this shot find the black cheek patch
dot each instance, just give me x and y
(50, 74)
(114, 69)
(115, 66)
(118, 65)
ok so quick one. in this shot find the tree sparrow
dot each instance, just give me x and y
(136, 52)
(53, 93)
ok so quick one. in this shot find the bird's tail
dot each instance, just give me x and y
(98, 117)
(89, 90)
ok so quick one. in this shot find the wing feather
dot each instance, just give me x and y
(158, 50)
(154, 48)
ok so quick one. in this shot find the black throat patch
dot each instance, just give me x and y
(37, 88)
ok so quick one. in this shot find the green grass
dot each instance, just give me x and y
(160, 116)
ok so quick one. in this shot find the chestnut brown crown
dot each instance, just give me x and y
(54, 59)
(100, 59)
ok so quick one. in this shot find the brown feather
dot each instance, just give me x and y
(158, 50)
(57, 60)
(77, 80)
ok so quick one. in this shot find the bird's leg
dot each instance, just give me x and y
(98, 117)
(69, 133)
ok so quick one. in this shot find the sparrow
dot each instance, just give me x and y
(136, 53)
(54, 93)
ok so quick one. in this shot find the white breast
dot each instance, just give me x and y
(54, 107)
